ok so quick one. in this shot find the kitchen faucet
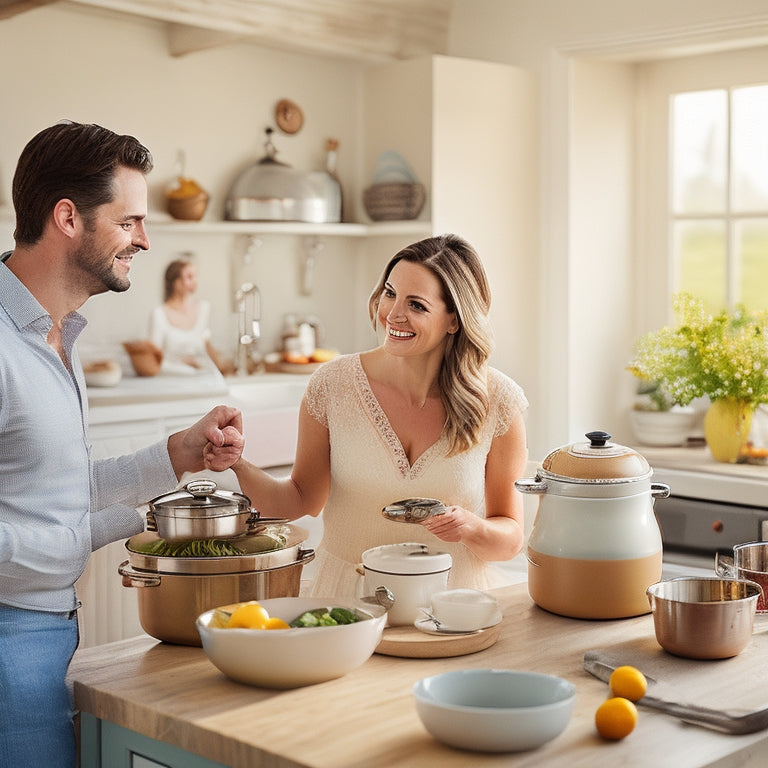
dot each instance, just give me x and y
(248, 298)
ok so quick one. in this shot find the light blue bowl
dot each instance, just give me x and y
(494, 710)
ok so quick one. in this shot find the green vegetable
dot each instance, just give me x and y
(196, 548)
(325, 617)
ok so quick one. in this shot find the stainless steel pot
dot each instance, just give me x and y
(273, 191)
(200, 511)
(174, 591)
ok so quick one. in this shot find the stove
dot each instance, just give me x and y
(712, 506)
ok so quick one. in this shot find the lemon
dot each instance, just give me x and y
(274, 623)
(628, 682)
(248, 616)
(616, 718)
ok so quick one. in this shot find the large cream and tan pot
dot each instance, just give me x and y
(595, 546)
(174, 591)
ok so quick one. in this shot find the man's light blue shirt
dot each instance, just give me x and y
(56, 503)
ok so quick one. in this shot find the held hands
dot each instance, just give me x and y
(215, 442)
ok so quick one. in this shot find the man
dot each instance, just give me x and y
(80, 197)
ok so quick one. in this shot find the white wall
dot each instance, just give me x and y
(581, 355)
(64, 62)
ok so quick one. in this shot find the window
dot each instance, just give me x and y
(718, 197)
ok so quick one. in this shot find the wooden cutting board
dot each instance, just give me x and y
(736, 685)
(409, 642)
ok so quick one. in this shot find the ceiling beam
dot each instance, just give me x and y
(362, 29)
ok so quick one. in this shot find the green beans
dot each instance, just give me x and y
(194, 548)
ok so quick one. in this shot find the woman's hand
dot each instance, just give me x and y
(215, 442)
(454, 525)
(217, 458)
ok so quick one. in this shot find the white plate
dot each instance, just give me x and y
(428, 627)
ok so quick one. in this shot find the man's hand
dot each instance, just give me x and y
(215, 442)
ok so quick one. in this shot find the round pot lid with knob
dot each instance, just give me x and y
(597, 469)
(595, 461)
(200, 498)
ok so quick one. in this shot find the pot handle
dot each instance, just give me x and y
(724, 565)
(306, 556)
(134, 578)
(660, 490)
(531, 485)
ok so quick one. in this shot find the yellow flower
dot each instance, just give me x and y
(725, 355)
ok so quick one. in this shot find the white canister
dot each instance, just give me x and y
(411, 571)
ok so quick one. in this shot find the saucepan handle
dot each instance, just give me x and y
(134, 578)
(724, 565)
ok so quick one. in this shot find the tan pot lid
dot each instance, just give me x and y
(595, 460)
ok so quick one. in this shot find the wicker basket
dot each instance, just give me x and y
(394, 202)
(188, 208)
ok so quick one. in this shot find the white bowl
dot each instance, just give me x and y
(103, 373)
(494, 710)
(290, 658)
(663, 428)
(465, 610)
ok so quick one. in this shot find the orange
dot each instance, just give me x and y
(628, 682)
(248, 616)
(616, 718)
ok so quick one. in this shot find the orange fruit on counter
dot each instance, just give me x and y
(628, 682)
(616, 718)
(248, 616)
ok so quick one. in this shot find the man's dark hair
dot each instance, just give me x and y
(73, 161)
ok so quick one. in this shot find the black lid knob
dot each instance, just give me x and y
(597, 439)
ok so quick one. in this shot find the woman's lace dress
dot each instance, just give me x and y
(369, 469)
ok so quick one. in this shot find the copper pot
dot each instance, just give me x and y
(174, 591)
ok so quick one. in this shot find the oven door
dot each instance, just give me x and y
(693, 530)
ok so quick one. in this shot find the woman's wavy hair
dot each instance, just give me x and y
(463, 377)
(173, 273)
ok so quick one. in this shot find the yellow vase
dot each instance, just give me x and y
(726, 427)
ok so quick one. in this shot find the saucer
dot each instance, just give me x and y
(428, 627)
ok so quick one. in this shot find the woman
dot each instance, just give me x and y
(421, 415)
(179, 327)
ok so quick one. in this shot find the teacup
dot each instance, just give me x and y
(749, 561)
(465, 610)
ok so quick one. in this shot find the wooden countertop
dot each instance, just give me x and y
(368, 718)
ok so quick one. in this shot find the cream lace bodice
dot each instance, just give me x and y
(369, 469)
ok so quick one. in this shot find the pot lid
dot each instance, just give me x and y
(408, 558)
(595, 461)
(200, 498)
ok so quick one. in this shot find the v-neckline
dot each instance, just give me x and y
(386, 431)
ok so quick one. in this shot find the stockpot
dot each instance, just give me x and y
(595, 546)
(174, 591)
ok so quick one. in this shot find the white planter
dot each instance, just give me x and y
(663, 428)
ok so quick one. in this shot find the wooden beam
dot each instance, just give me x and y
(363, 29)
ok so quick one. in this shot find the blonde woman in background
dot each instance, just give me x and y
(179, 326)
(420, 415)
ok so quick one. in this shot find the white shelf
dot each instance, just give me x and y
(165, 224)
(288, 228)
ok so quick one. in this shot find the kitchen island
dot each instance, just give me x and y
(149, 692)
